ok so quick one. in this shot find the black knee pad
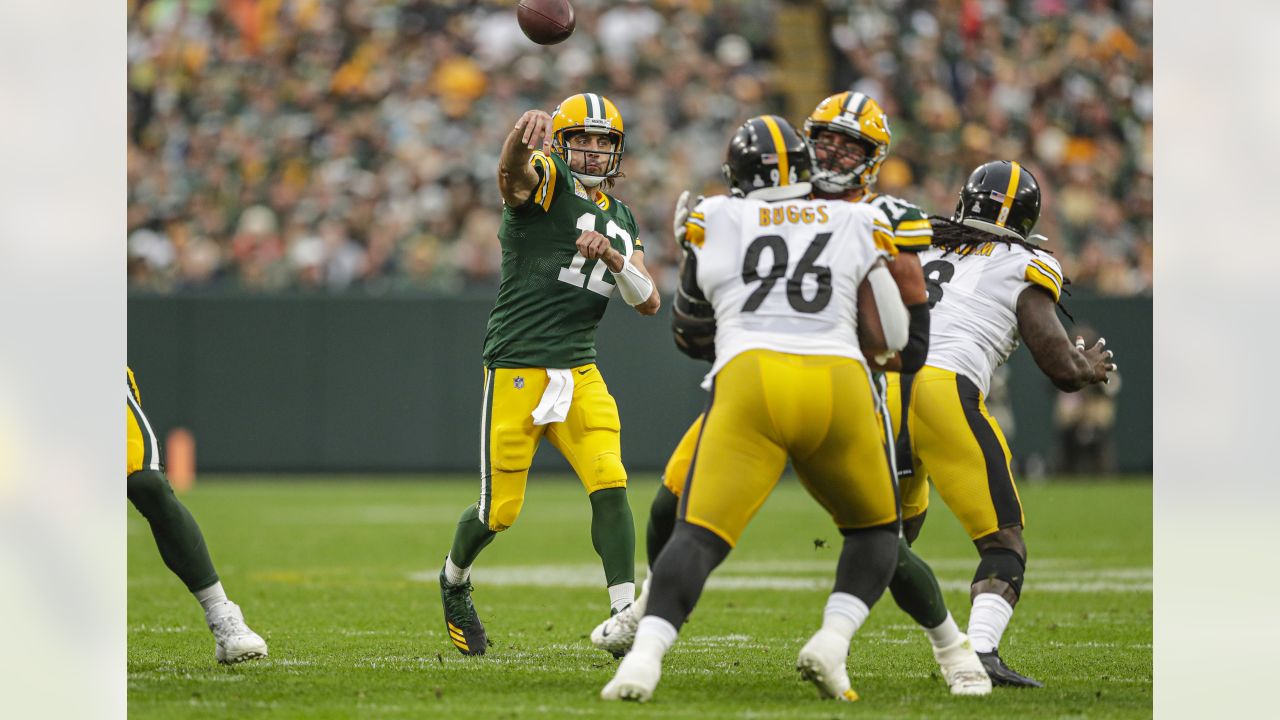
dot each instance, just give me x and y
(148, 490)
(1001, 564)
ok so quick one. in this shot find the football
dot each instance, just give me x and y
(545, 22)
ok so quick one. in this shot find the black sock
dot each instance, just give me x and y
(915, 589)
(176, 532)
(682, 570)
(613, 535)
(662, 522)
(470, 538)
(866, 562)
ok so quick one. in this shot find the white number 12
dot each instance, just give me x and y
(576, 274)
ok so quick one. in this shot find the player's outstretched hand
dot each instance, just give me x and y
(593, 245)
(1099, 358)
(684, 205)
(537, 130)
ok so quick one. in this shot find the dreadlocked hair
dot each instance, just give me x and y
(951, 236)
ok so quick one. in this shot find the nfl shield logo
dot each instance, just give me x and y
(519, 382)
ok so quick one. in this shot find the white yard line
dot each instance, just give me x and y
(1047, 579)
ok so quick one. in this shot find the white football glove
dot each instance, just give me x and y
(683, 207)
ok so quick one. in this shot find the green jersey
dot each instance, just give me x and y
(552, 298)
(912, 231)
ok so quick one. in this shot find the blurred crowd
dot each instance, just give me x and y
(323, 145)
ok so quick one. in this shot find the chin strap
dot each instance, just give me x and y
(633, 286)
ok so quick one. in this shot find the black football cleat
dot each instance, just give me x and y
(460, 618)
(1002, 674)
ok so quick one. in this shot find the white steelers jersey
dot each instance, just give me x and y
(973, 295)
(784, 275)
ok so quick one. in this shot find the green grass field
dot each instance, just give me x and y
(339, 577)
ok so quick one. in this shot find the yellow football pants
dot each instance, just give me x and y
(588, 437)
(142, 452)
(767, 406)
(958, 445)
(677, 470)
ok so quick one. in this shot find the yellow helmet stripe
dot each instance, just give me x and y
(780, 148)
(1009, 194)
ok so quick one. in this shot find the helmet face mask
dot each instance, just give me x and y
(859, 118)
(589, 158)
(840, 160)
(576, 123)
(768, 160)
(1001, 198)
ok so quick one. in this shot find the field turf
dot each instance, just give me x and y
(339, 575)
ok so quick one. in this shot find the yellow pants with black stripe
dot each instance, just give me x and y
(958, 445)
(142, 451)
(767, 406)
(589, 437)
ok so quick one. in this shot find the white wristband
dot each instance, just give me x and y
(634, 287)
(894, 319)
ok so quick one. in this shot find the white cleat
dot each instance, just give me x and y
(636, 679)
(236, 642)
(822, 662)
(962, 669)
(616, 634)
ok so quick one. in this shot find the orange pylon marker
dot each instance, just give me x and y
(180, 459)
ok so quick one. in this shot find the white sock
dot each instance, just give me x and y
(642, 600)
(654, 637)
(946, 634)
(987, 621)
(453, 574)
(621, 595)
(211, 596)
(844, 614)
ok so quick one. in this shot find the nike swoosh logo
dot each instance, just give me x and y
(584, 372)
(605, 632)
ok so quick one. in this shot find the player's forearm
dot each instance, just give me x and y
(633, 280)
(514, 175)
(1065, 366)
(917, 349)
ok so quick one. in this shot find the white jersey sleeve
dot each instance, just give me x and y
(973, 295)
(784, 275)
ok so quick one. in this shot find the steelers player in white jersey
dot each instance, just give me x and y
(850, 137)
(797, 289)
(989, 287)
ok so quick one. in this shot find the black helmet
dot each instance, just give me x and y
(769, 160)
(1000, 197)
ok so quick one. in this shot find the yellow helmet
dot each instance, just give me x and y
(589, 113)
(861, 118)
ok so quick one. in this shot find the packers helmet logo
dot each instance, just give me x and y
(519, 382)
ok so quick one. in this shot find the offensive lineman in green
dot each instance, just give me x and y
(567, 246)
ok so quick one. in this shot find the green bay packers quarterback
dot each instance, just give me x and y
(850, 137)
(792, 283)
(567, 247)
(989, 287)
(178, 537)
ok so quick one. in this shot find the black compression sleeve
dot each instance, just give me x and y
(917, 349)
